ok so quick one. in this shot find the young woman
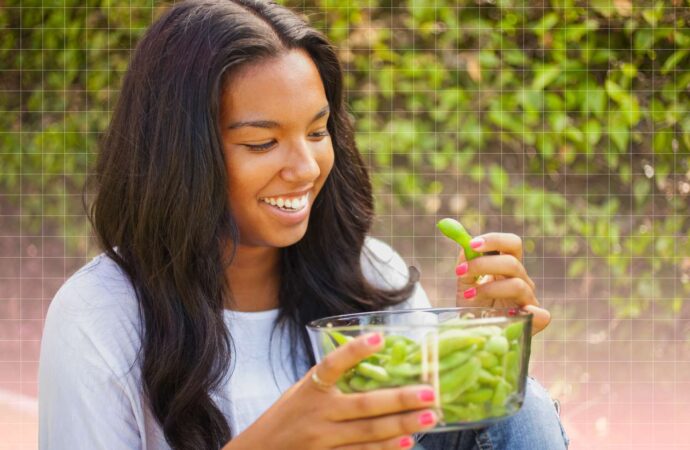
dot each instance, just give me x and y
(232, 208)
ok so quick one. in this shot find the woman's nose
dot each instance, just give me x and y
(302, 164)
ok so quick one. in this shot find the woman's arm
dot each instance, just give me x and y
(83, 402)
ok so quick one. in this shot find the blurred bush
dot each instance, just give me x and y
(572, 116)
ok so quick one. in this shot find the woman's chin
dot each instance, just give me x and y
(286, 236)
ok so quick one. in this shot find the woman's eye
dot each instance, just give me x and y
(322, 133)
(260, 147)
(271, 143)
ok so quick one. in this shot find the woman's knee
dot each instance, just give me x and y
(536, 426)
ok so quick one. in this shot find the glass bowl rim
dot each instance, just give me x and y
(321, 324)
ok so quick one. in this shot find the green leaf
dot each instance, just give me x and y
(547, 22)
(619, 133)
(629, 70)
(499, 184)
(654, 15)
(673, 60)
(544, 75)
(592, 132)
(603, 7)
(662, 141)
(643, 39)
(614, 90)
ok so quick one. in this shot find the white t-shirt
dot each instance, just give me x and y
(90, 392)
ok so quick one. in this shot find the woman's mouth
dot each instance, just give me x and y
(288, 204)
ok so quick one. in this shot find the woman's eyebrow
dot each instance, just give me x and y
(272, 124)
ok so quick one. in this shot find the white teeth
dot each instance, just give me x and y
(292, 204)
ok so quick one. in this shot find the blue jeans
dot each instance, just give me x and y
(536, 427)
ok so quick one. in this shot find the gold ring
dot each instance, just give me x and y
(319, 383)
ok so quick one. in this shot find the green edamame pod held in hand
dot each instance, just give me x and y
(454, 230)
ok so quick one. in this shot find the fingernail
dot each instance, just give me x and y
(427, 418)
(476, 243)
(461, 269)
(406, 442)
(471, 292)
(512, 312)
(374, 340)
(427, 395)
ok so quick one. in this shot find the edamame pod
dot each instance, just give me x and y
(453, 340)
(327, 342)
(514, 331)
(454, 360)
(398, 352)
(454, 230)
(343, 385)
(511, 368)
(456, 381)
(465, 413)
(497, 345)
(404, 370)
(500, 394)
(488, 359)
(340, 338)
(372, 371)
(487, 378)
(478, 396)
(358, 383)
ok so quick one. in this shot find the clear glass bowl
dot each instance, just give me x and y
(476, 359)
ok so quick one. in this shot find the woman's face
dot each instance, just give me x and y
(277, 149)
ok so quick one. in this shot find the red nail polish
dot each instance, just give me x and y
(374, 340)
(426, 418)
(461, 269)
(471, 292)
(427, 395)
(476, 243)
(406, 442)
(512, 312)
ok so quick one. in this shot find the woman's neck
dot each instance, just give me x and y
(254, 278)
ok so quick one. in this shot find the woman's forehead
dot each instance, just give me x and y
(288, 85)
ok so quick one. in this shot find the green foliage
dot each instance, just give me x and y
(62, 62)
(572, 117)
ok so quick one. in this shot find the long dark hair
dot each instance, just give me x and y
(161, 207)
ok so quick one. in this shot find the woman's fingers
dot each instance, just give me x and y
(508, 243)
(541, 318)
(506, 265)
(382, 402)
(396, 443)
(343, 358)
(514, 289)
(387, 427)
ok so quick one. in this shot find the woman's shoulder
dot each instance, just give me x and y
(99, 287)
(384, 268)
(95, 315)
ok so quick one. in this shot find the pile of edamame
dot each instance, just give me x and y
(476, 369)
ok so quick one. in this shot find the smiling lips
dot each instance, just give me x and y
(288, 203)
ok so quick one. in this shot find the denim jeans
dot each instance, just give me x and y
(535, 427)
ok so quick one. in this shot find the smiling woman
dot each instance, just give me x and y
(232, 208)
(277, 147)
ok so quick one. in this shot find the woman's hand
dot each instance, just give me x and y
(314, 414)
(504, 282)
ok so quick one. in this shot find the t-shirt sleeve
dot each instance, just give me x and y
(85, 401)
(384, 268)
